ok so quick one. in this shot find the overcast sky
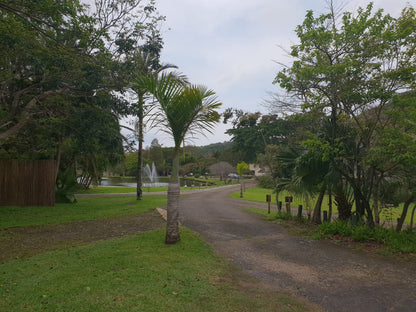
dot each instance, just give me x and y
(232, 46)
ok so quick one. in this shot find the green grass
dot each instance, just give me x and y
(404, 242)
(118, 189)
(258, 194)
(127, 189)
(135, 273)
(83, 209)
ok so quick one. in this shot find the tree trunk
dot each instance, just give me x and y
(330, 205)
(316, 217)
(241, 187)
(172, 225)
(376, 212)
(58, 158)
(400, 221)
(413, 214)
(94, 168)
(362, 205)
(344, 206)
(139, 191)
(359, 208)
(376, 201)
(277, 199)
(370, 219)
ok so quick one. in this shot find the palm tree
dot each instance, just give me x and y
(306, 174)
(144, 65)
(182, 110)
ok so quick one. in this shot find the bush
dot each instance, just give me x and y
(361, 233)
(404, 241)
(266, 181)
(337, 227)
(284, 215)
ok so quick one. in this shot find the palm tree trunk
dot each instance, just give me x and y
(316, 217)
(330, 205)
(172, 225)
(139, 192)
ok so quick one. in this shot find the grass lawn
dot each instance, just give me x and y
(127, 189)
(83, 209)
(258, 194)
(118, 189)
(130, 273)
(135, 273)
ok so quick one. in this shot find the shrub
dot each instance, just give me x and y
(361, 233)
(337, 227)
(284, 215)
(266, 181)
(404, 241)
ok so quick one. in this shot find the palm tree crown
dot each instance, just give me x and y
(183, 109)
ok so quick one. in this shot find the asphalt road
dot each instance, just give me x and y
(334, 277)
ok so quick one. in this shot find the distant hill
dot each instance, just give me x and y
(211, 148)
(208, 149)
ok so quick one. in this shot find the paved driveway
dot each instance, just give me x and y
(334, 277)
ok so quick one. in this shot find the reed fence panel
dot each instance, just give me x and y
(27, 182)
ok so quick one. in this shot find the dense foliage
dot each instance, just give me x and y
(344, 125)
(65, 68)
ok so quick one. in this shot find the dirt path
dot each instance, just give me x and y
(334, 277)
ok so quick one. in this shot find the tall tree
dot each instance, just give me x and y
(252, 132)
(182, 110)
(350, 69)
(144, 64)
(62, 52)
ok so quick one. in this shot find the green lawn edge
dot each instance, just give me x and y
(258, 194)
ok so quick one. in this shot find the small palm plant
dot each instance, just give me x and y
(241, 168)
(182, 109)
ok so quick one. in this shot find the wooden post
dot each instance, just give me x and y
(268, 199)
(288, 200)
(288, 207)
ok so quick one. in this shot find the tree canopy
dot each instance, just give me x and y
(346, 73)
(64, 70)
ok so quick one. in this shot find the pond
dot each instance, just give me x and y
(131, 182)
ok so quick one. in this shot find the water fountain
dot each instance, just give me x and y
(152, 176)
